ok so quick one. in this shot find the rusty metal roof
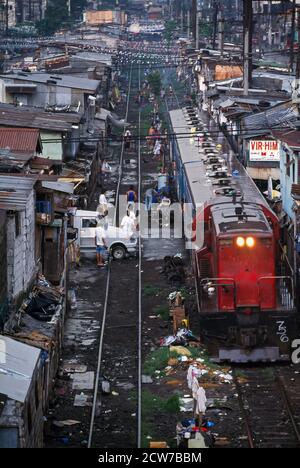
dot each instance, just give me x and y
(30, 117)
(25, 140)
(291, 138)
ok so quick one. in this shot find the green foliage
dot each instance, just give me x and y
(163, 312)
(155, 82)
(154, 404)
(149, 290)
(170, 28)
(157, 360)
(57, 14)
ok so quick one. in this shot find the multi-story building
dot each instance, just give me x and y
(7, 14)
(30, 10)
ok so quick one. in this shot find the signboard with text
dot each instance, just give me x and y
(264, 150)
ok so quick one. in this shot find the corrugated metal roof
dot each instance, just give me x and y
(64, 81)
(292, 139)
(59, 187)
(20, 139)
(17, 365)
(37, 118)
(14, 192)
(282, 115)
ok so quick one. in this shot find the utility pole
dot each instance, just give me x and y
(198, 18)
(6, 17)
(298, 52)
(194, 18)
(270, 24)
(292, 37)
(248, 32)
(221, 33)
(189, 23)
(215, 23)
(181, 21)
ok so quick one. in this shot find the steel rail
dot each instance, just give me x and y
(107, 291)
(250, 435)
(139, 399)
(284, 393)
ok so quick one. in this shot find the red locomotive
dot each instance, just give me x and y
(244, 282)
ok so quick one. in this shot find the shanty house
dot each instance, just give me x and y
(17, 200)
(21, 402)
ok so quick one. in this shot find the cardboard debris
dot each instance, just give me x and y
(174, 382)
(172, 362)
(158, 445)
(83, 381)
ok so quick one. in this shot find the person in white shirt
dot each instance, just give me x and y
(128, 224)
(101, 246)
(102, 208)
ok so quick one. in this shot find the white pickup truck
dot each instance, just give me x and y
(119, 245)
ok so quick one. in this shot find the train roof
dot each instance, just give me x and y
(204, 187)
(232, 219)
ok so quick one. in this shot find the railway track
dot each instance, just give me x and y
(269, 407)
(122, 318)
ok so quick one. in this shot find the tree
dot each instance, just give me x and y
(57, 14)
(155, 83)
(170, 28)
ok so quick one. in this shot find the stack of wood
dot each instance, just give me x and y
(178, 313)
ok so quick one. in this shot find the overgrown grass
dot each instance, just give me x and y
(163, 313)
(157, 360)
(152, 404)
(149, 290)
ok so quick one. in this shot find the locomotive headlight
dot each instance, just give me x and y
(240, 242)
(250, 242)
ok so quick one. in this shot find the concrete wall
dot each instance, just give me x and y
(44, 95)
(286, 182)
(27, 418)
(21, 250)
(54, 149)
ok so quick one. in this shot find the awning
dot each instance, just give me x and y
(65, 187)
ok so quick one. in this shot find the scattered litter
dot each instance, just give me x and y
(174, 382)
(146, 379)
(186, 404)
(115, 393)
(222, 441)
(74, 368)
(126, 386)
(67, 422)
(83, 381)
(172, 362)
(180, 350)
(88, 342)
(81, 400)
(105, 387)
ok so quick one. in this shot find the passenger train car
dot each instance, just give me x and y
(245, 287)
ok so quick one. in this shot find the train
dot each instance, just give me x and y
(244, 282)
